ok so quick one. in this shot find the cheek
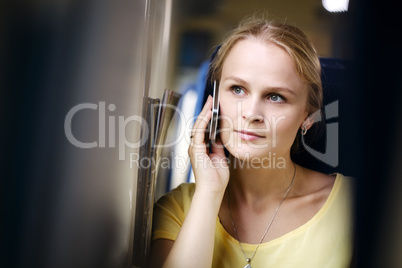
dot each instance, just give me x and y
(286, 129)
(227, 122)
(227, 112)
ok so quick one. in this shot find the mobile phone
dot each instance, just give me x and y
(215, 111)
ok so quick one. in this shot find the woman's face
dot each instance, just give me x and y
(262, 100)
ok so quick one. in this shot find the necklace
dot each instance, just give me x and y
(248, 265)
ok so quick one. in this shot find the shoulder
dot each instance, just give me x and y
(325, 189)
(344, 190)
(317, 183)
(338, 197)
(327, 182)
(170, 211)
(345, 182)
(178, 198)
(184, 190)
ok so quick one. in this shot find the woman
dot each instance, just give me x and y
(257, 208)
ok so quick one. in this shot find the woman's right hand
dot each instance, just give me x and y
(210, 166)
(194, 244)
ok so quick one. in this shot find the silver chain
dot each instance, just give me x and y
(270, 223)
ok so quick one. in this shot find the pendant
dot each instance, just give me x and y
(248, 265)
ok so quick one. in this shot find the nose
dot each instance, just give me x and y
(252, 111)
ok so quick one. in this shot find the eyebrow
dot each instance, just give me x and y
(244, 83)
(237, 80)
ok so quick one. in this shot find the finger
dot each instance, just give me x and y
(218, 157)
(207, 107)
(217, 147)
(199, 129)
(200, 125)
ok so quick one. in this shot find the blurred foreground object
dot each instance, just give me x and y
(73, 75)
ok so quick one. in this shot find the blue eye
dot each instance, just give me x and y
(238, 90)
(276, 98)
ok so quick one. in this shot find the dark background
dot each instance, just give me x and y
(29, 108)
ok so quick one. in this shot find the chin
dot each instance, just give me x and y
(258, 159)
(251, 154)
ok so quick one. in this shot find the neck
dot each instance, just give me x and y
(253, 183)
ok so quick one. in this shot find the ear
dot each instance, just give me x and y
(309, 121)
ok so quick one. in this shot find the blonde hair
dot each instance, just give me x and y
(287, 37)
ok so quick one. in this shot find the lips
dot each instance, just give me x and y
(249, 135)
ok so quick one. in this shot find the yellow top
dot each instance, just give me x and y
(324, 241)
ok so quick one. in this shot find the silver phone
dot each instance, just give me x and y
(215, 111)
